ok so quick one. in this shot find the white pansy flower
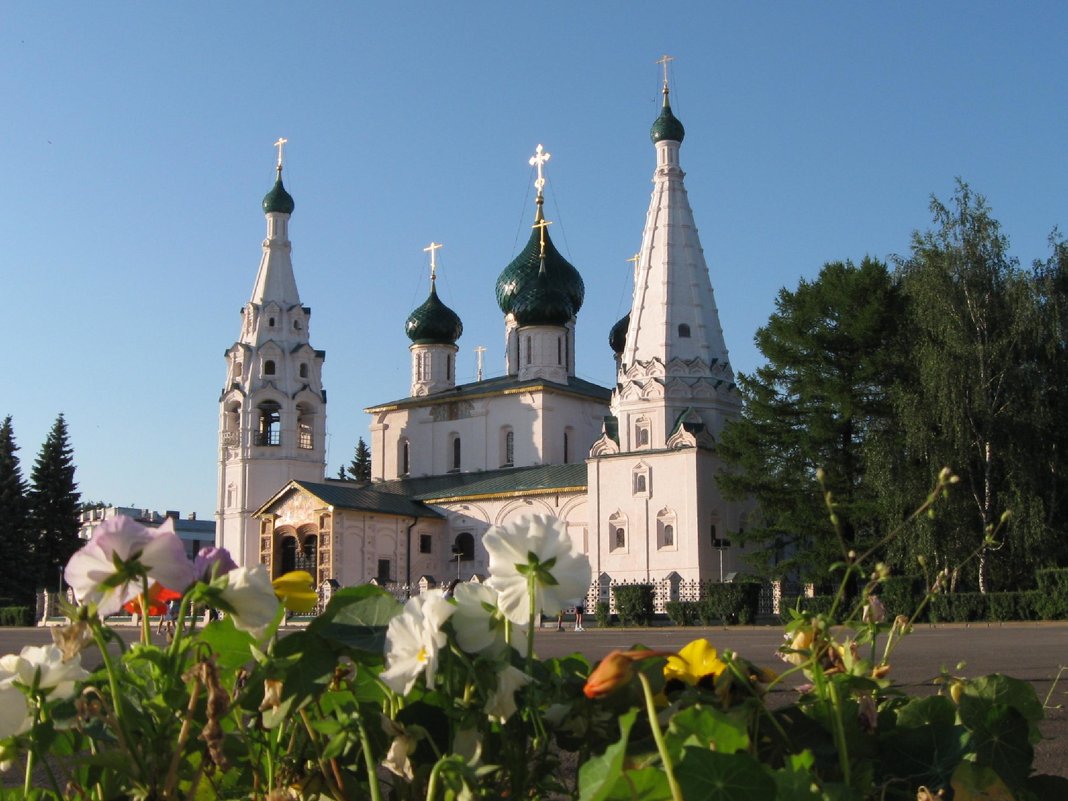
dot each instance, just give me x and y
(105, 571)
(538, 547)
(15, 717)
(43, 668)
(501, 704)
(250, 597)
(413, 640)
(480, 624)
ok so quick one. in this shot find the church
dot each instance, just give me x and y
(630, 469)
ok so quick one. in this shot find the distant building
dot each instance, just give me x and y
(630, 469)
(195, 534)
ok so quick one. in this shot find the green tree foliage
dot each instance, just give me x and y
(975, 337)
(13, 520)
(820, 401)
(359, 468)
(54, 504)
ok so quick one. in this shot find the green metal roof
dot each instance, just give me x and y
(366, 498)
(499, 386)
(433, 323)
(542, 302)
(617, 337)
(278, 199)
(512, 480)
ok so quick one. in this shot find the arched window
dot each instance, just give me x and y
(684, 331)
(640, 482)
(268, 429)
(463, 547)
(305, 435)
(268, 367)
(455, 464)
(507, 447)
(404, 462)
(617, 532)
(665, 529)
(270, 322)
(448, 367)
(641, 433)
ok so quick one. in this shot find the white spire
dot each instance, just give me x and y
(275, 281)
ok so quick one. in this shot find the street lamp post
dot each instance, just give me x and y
(720, 545)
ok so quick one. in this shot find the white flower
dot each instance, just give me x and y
(874, 611)
(501, 703)
(479, 623)
(15, 715)
(105, 571)
(413, 640)
(251, 599)
(538, 546)
(43, 668)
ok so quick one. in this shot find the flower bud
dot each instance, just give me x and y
(614, 671)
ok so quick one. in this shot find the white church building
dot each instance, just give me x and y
(631, 470)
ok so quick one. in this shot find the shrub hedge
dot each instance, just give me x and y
(634, 603)
(1051, 601)
(604, 614)
(682, 613)
(15, 616)
(737, 602)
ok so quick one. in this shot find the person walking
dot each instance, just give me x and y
(579, 610)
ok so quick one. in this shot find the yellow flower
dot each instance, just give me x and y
(697, 660)
(295, 591)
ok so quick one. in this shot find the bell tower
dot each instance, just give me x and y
(272, 411)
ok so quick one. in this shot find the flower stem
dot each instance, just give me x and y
(369, 760)
(661, 746)
(146, 631)
(839, 732)
(532, 579)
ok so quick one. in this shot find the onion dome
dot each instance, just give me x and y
(617, 337)
(278, 200)
(667, 125)
(542, 301)
(519, 277)
(433, 323)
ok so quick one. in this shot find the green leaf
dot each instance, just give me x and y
(711, 776)
(356, 619)
(795, 781)
(707, 727)
(980, 693)
(233, 647)
(977, 783)
(935, 710)
(643, 784)
(599, 774)
(1001, 741)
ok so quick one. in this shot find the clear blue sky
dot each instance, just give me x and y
(136, 146)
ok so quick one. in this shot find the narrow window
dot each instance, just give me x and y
(288, 555)
(669, 536)
(509, 448)
(270, 322)
(621, 538)
(559, 351)
(384, 571)
(268, 367)
(639, 483)
(303, 370)
(426, 543)
(530, 351)
(405, 465)
(448, 367)
(567, 449)
(684, 331)
(268, 431)
(456, 453)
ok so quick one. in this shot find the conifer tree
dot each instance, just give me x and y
(54, 506)
(360, 467)
(13, 520)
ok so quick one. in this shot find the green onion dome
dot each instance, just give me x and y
(278, 199)
(518, 277)
(542, 301)
(617, 337)
(667, 125)
(433, 323)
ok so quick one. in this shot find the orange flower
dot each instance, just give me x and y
(158, 595)
(614, 671)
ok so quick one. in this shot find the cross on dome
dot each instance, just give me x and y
(281, 143)
(664, 61)
(432, 249)
(541, 225)
(479, 351)
(538, 161)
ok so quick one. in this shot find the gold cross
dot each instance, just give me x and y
(538, 160)
(665, 60)
(432, 249)
(634, 260)
(280, 144)
(542, 225)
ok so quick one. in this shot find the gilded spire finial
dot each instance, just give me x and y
(432, 249)
(281, 143)
(634, 260)
(664, 60)
(538, 160)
